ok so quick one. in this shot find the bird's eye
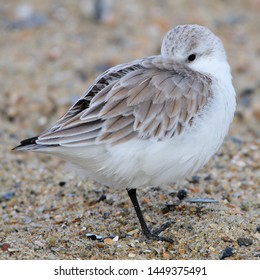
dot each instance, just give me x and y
(191, 57)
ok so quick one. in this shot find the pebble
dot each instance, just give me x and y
(100, 245)
(27, 220)
(181, 251)
(109, 241)
(208, 178)
(182, 194)
(58, 218)
(227, 252)
(106, 215)
(236, 140)
(102, 198)
(166, 256)
(62, 183)
(243, 241)
(131, 255)
(39, 243)
(7, 196)
(41, 209)
(94, 236)
(246, 96)
(194, 179)
(227, 239)
(162, 197)
(132, 232)
(194, 189)
(13, 250)
(147, 251)
(116, 238)
(170, 207)
(5, 246)
(240, 163)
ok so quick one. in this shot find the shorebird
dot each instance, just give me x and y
(149, 122)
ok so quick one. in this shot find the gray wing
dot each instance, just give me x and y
(148, 98)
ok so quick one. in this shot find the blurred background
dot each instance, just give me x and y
(51, 50)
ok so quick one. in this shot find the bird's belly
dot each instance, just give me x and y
(159, 163)
(140, 163)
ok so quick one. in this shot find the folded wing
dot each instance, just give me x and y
(152, 98)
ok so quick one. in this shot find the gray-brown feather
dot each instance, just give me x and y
(148, 98)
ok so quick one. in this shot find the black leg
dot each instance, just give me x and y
(150, 235)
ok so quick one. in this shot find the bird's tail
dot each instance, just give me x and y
(29, 145)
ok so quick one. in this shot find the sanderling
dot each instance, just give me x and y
(152, 121)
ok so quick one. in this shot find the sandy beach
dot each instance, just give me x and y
(50, 52)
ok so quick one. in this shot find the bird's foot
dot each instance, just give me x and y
(155, 234)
